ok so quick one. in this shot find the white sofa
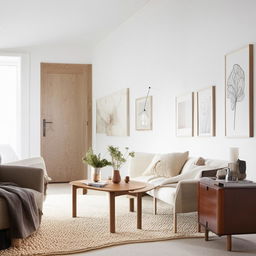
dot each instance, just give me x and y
(179, 191)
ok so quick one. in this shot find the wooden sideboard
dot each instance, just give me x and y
(226, 210)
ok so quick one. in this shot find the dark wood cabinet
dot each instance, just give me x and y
(226, 210)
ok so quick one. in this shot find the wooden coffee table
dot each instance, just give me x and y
(133, 188)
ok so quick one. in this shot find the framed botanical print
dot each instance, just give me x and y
(239, 93)
(143, 118)
(185, 115)
(206, 112)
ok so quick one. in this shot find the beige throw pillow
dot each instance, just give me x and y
(166, 165)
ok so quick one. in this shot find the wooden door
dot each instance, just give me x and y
(66, 97)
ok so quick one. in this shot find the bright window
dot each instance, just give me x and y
(10, 102)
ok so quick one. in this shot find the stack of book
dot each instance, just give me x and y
(99, 184)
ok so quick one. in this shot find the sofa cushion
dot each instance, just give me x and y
(146, 179)
(166, 165)
(4, 217)
(166, 194)
(153, 180)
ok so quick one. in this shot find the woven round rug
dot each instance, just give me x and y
(60, 234)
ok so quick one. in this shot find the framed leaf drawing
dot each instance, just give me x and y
(239, 93)
(143, 116)
(206, 112)
(185, 115)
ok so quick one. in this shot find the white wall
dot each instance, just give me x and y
(175, 46)
(46, 53)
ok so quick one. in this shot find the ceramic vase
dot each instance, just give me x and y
(116, 177)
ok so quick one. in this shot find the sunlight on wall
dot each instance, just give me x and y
(10, 102)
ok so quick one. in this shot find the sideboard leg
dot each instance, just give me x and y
(229, 243)
(199, 228)
(206, 234)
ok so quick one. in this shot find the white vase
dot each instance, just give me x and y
(95, 174)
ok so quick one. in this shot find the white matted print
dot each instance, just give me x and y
(143, 114)
(206, 112)
(185, 115)
(112, 114)
(238, 92)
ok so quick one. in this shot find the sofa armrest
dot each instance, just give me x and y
(27, 177)
(186, 196)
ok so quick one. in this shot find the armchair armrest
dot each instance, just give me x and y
(27, 177)
(35, 162)
(186, 196)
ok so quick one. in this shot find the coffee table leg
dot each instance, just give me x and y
(112, 212)
(74, 188)
(131, 204)
(139, 211)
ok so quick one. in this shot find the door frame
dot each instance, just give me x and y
(43, 71)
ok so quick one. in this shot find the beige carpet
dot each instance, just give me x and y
(60, 234)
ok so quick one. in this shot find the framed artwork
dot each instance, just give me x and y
(185, 115)
(239, 93)
(143, 118)
(206, 112)
(112, 114)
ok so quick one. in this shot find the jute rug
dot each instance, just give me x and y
(60, 234)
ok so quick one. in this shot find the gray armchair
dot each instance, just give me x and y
(27, 177)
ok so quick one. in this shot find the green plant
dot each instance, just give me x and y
(95, 160)
(117, 157)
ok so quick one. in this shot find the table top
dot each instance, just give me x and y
(135, 186)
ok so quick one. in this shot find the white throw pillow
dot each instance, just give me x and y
(166, 165)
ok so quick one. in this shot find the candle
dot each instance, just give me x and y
(233, 155)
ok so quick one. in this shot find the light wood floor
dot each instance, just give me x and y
(243, 245)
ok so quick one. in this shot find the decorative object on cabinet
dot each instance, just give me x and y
(206, 112)
(185, 115)
(112, 114)
(239, 92)
(143, 116)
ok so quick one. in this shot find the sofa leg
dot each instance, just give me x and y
(174, 222)
(155, 205)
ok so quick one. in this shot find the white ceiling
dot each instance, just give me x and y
(35, 22)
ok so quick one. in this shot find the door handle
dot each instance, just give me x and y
(44, 126)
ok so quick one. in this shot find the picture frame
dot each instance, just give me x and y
(206, 110)
(112, 114)
(144, 117)
(239, 92)
(185, 115)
